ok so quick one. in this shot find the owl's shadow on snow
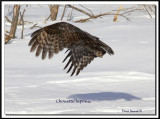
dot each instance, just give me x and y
(102, 96)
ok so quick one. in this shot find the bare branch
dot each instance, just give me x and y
(20, 20)
(22, 23)
(147, 11)
(48, 17)
(70, 15)
(96, 16)
(7, 38)
(115, 16)
(35, 25)
(87, 9)
(80, 10)
(63, 12)
(124, 17)
(30, 22)
(125, 10)
(130, 11)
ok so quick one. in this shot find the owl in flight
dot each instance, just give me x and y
(82, 47)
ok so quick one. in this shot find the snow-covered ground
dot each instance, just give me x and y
(120, 84)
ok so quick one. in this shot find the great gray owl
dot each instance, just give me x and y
(82, 46)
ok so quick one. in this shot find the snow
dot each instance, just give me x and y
(120, 84)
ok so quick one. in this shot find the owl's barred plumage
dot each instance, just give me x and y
(81, 46)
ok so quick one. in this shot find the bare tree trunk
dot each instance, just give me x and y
(54, 11)
(14, 20)
(22, 20)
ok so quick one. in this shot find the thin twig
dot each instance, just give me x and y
(35, 25)
(30, 22)
(8, 19)
(87, 9)
(147, 11)
(48, 17)
(70, 14)
(131, 11)
(63, 12)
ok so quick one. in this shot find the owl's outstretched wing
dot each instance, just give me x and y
(82, 46)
